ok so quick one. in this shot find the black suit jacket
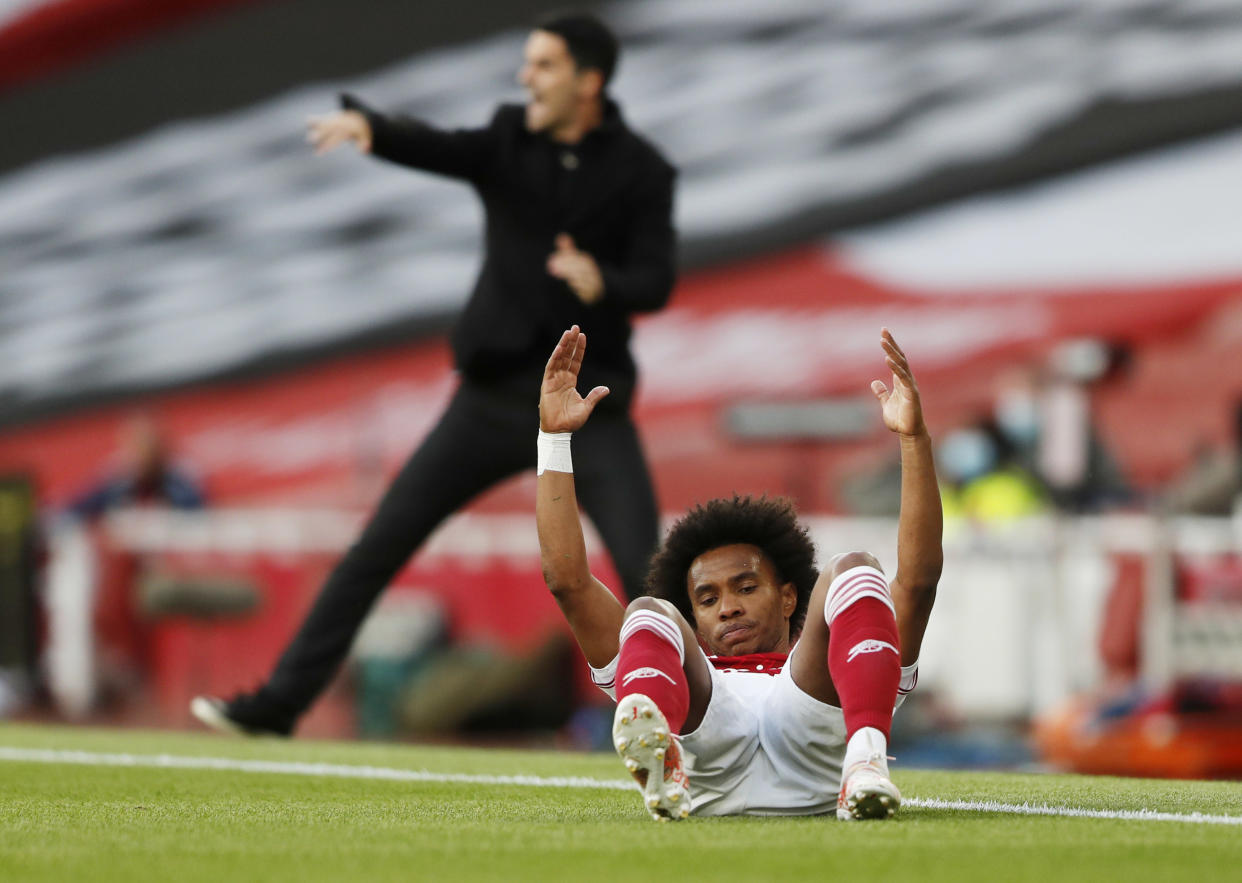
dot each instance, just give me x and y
(612, 192)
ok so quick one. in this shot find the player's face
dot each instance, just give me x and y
(740, 606)
(552, 82)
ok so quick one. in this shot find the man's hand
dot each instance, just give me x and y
(902, 408)
(331, 130)
(561, 409)
(577, 268)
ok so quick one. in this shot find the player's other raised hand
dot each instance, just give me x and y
(561, 408)
(327, 132)
(901, 406)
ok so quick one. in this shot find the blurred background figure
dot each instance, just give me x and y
(143, 473)
(1071, 458)
(985, 478)
(101, 596)
(1037, 448)
(1212, 482)
(1027, 194)
(578, 229)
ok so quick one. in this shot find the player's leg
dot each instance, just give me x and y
(849, 656)
(614, 488)
(663, 688)
(478, 441)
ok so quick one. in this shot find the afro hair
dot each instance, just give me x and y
(768, 523)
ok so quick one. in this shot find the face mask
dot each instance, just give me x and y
(966, 454)
(1018, 417)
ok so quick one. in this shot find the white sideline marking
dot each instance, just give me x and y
(1039, 809)
(347, 771)
(339, 771)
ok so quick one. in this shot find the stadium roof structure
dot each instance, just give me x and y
(222, 245)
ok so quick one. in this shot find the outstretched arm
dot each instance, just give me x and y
(459, 153)
(593, 613)
(920, 526)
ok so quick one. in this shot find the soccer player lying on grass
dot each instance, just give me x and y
(750, 683)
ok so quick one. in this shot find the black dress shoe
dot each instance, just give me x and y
(243, 715)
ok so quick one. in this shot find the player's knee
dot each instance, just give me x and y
(851, 577)
(844, 561)
(655, 605)
(658, 617)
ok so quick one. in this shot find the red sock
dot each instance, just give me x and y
(863, 655)
(652, 655)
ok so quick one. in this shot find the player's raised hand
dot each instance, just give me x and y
(901, 406)
(561, 408)
(331, 130)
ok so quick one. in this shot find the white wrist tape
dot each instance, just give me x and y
(553, 453)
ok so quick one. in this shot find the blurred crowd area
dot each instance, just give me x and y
(214, 351)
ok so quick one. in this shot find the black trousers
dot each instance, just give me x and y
(484, 436)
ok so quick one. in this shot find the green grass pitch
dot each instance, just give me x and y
(64, 821)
